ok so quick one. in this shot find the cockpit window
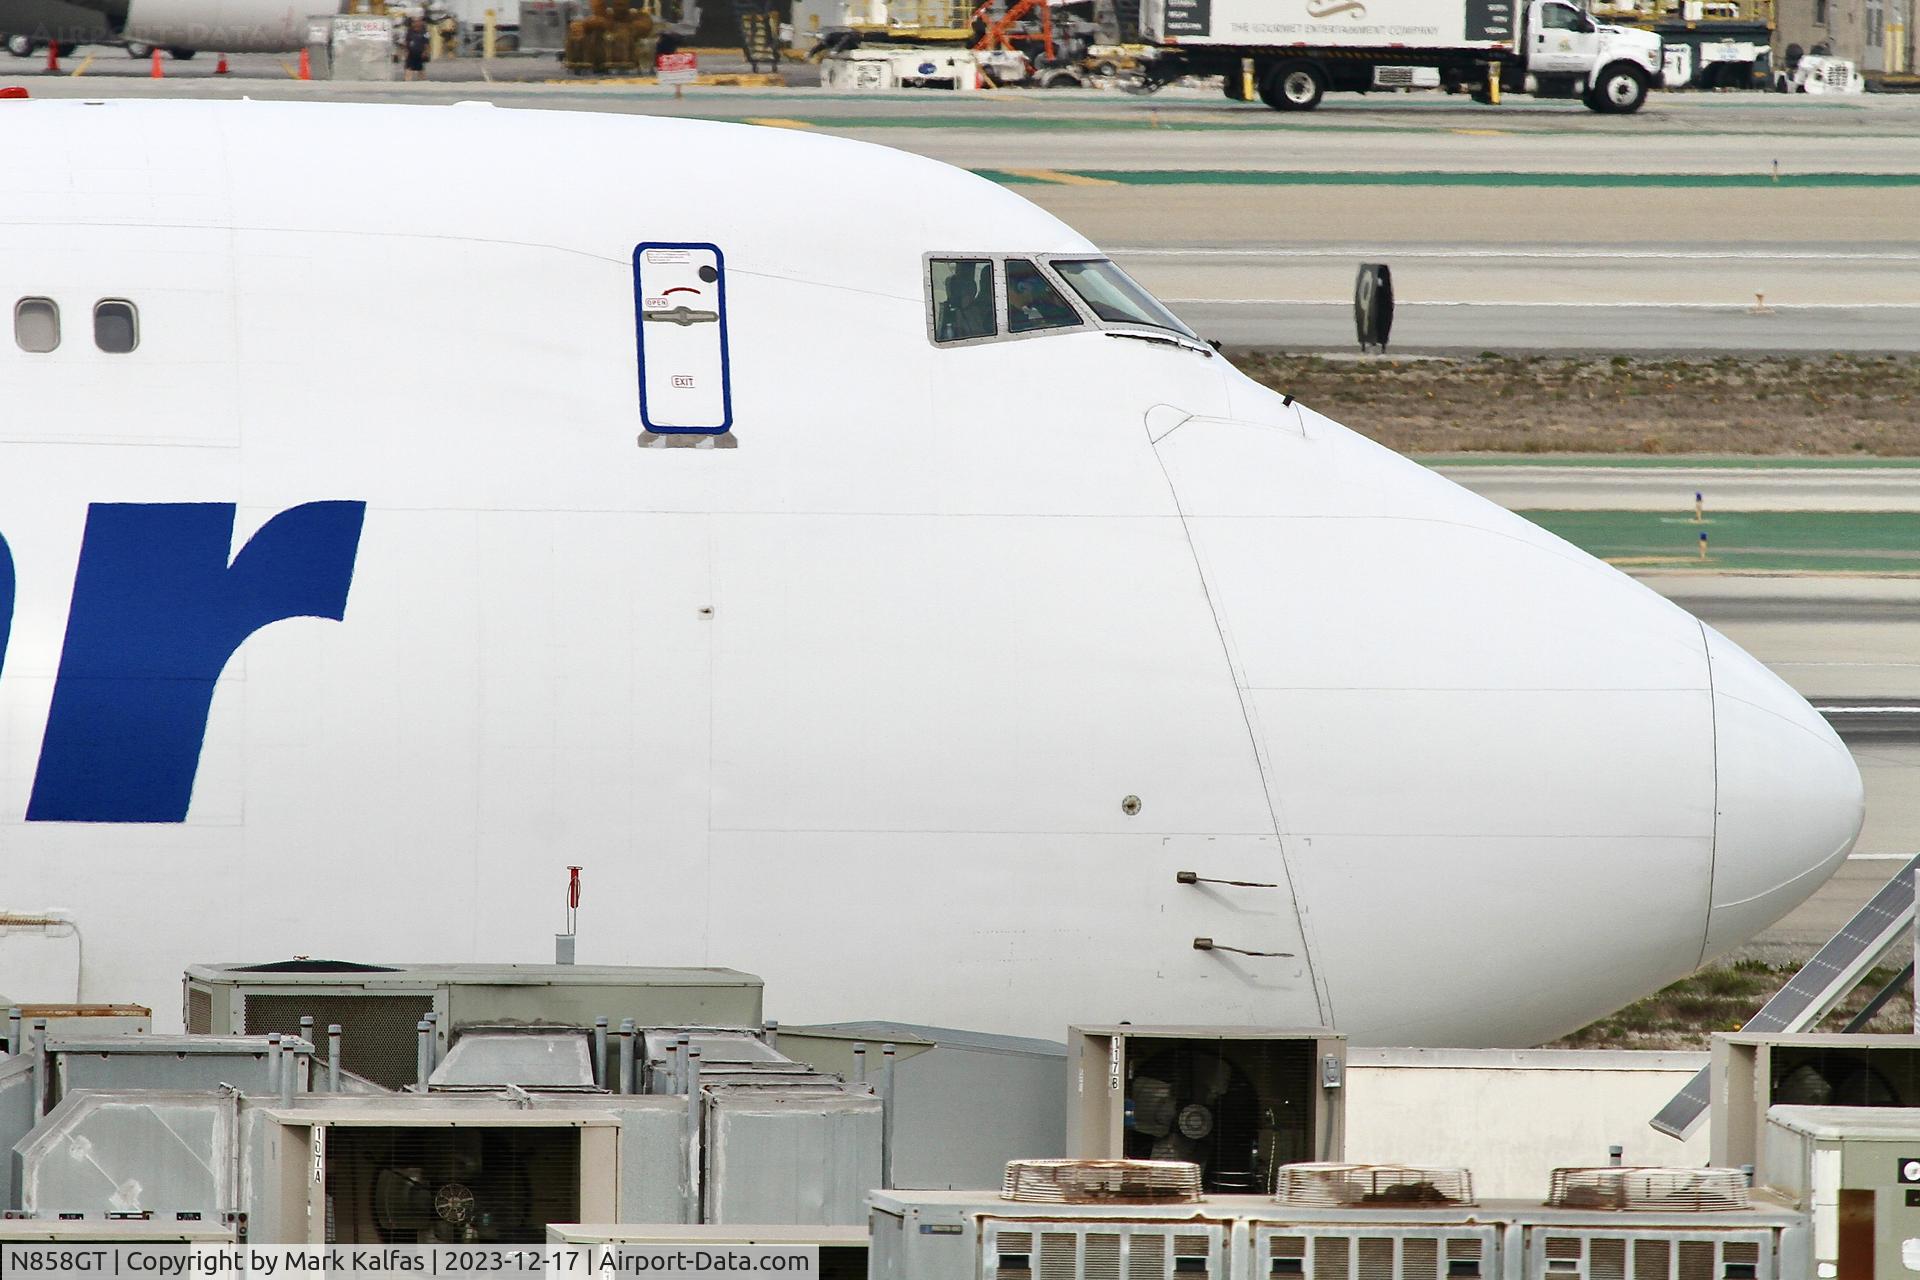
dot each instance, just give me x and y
(1114, 296)
(963, 306)
(1032, 301)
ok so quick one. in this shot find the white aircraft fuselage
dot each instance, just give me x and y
(356, 602)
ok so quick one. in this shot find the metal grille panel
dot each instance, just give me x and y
(1100, 1250)
(377, 1036)
(1103, 1256)
(1376, 1259)
(199, 1011)
(1380, 1253)
(1699, 1254)
(1148, 1258)
(1330, 1258)
(1696, 1260)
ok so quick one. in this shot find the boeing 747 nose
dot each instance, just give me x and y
(1788, 802)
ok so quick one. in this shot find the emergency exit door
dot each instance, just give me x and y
(680, 309)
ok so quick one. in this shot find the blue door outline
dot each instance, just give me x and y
(640, 338)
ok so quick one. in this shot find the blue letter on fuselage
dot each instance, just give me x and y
(157, 612)
(6, 599)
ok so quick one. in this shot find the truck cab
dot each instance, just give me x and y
(1569, 52)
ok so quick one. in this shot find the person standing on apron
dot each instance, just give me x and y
(417, 49)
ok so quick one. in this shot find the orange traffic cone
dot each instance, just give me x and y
(53, 55)
(157, 73)
(222, 68)
(306, 65)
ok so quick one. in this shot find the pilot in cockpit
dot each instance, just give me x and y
(1032, 302)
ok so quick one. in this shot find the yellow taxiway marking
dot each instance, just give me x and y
(776, 122)
(1063, 179)
(1647, 562)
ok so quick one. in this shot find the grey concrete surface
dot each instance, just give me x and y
(1567, 327)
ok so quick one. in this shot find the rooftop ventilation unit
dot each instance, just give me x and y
(1101, 1182)
(1650, 1189)
(439, 1169)
(956, 1235)
(379, 1006)
(1753, 1071)
(1336, 1186)
(1236, 1101)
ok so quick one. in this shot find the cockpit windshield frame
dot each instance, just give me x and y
(1179, 326)
(1088, 320)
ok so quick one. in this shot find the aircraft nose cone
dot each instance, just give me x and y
(1789, 801)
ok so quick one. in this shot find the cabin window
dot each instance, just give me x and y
(1114, 296)
(1033, 303)
(36, 324)
(963, 306)
(116, 326)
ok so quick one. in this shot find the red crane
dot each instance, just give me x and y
(998, 34)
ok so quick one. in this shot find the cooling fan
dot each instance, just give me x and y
(1188, 1103)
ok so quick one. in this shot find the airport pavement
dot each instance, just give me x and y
(1531, 226)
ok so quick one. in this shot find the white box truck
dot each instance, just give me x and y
(1291, 53)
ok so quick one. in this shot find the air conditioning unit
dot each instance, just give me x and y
(936, 1235)
(378, 1006)
(162, 1156)
(72, 1020)
(775, 1153)
(1608, 1222)
(413, 1169)
(1388, 1249)
(1238, 1102)
(1753, 1072)
(1340, 1222)
(1857, 1166)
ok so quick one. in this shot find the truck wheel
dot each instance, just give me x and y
(1293, 86)
(1619, 90)
(20, 46)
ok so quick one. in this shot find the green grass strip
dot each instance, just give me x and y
(1825, 541)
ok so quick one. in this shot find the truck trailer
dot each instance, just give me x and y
(1291, 53)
